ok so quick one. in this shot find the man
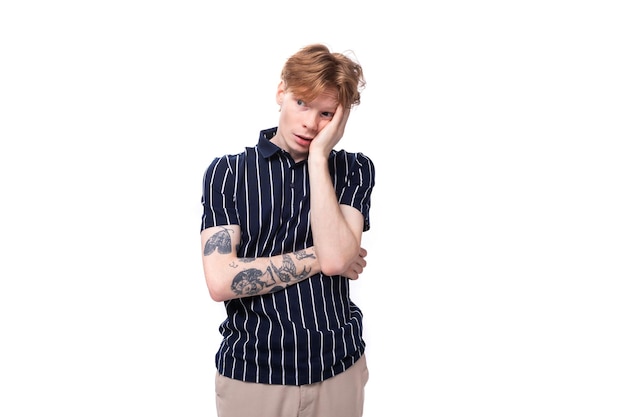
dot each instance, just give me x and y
(281, 239)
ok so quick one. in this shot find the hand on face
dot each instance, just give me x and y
(331, 134)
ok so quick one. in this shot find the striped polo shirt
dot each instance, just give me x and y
(312, 330)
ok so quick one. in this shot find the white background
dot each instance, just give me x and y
(495, 284)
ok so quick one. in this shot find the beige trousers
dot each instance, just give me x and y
(339, 396)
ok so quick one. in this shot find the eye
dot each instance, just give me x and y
(328, 114)
(300, 102)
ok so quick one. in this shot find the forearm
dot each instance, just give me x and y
(228, 276)
(337, 241)
(257, 276)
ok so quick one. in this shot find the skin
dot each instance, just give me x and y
(307, 130)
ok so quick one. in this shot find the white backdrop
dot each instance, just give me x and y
(495, 284)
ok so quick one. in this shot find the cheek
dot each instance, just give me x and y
(323, 124)
(286, 117)
(290, 115)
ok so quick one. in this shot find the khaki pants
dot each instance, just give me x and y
(339, 396)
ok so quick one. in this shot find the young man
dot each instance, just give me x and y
(281, 239)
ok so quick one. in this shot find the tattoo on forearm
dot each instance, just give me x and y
(220, 241)
(234, 264)
(287, 272)
(252, 281)
(246, 260)
(301, 254)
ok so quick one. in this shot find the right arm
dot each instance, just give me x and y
(228, 276)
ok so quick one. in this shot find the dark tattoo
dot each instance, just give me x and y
(252, 281)
(220, 241)
(287, 272)
(245, 260)
(234, 264)
(301, 254)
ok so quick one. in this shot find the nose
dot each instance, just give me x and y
(310, 121)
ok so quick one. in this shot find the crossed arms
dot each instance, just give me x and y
(229, 276)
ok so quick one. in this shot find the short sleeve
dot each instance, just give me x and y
(218, 193)
(357, 190)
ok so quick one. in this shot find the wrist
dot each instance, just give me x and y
(317, 158)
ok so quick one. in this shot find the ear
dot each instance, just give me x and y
(280, 93)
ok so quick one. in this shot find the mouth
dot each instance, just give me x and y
(303, 139)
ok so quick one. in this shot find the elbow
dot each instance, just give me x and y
(216, 296)
(217, 292)
(330, 271)
(335, 266)
(337, 263)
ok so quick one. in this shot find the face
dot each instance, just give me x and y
(300, 121)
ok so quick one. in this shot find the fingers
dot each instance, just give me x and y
(357, 267)
(328, 137)
(345, 114)
(341, 116)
